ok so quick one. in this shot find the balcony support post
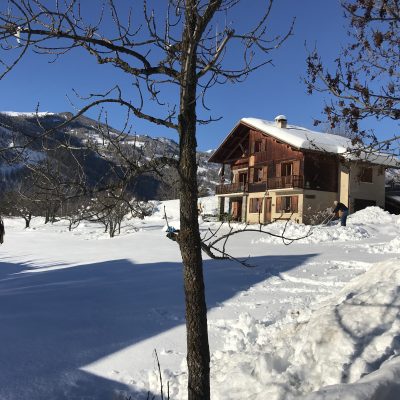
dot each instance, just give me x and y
(244, 209)
(221, 207)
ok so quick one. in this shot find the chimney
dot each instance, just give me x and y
(281, 121)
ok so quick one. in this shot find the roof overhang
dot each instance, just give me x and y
(236, 136)
(301, 139)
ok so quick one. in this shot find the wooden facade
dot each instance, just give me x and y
(268, 178)
(260, 162)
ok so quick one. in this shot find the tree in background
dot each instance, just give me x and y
(18, 202)
(187, 47)
(366, 80)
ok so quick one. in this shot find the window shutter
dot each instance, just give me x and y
(296, 167)
(278, 204)
(265, 174)
(295, 203)
(278, 170)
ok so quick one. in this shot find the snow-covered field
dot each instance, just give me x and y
(82, 314)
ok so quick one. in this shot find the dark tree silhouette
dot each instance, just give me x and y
(366, 80)
(187, 45)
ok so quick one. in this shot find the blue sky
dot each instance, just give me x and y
(273, 90)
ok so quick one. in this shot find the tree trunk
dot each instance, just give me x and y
(112, 229)
(198, 354)
(28, 220)
(47, 217)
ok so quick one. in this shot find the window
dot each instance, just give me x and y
(360, 204)
(258, 146)
(287, 204)
(255, 205)
(287, 169)
(243, 177)
(258, 174)
(366, 175)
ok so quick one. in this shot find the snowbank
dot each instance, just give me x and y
(281, 330)
(383, 384)
(391, 247)
(350, 341)
(313, 234)
(354, 334)
(373, 215)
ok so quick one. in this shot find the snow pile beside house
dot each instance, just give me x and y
(360, 226)
(349, 337)
(312, 234)
(373, 215)
(391, 247)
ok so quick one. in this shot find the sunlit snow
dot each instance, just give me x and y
(319, 319)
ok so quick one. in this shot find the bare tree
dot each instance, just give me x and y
(18, 203)
(366, 80)
(74, 211)
(186, 45)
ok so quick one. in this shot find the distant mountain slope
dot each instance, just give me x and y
(21, 128)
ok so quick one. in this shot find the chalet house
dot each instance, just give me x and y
(272, 170)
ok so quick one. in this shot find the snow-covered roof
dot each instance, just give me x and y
(303, 138)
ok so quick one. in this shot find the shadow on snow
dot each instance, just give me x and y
(56, 321)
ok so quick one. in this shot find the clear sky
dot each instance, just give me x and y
(273, 90)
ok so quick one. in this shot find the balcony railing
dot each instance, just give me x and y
(291, 181)
(282, 182)
(257, 187)
(231, 188)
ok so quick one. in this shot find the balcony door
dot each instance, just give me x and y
(287, 174)
(243, 179)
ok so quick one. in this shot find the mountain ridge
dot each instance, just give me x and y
(98, 138)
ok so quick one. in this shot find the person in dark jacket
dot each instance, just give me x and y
(344, 212)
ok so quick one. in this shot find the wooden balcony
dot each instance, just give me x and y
(229, 188)
(291, 181)
(257, 187)
(282, 182)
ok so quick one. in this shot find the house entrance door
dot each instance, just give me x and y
(236, 209)
(267, 210)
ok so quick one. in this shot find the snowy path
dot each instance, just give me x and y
(81, 314)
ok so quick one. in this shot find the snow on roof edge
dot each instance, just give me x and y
(303, 138)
